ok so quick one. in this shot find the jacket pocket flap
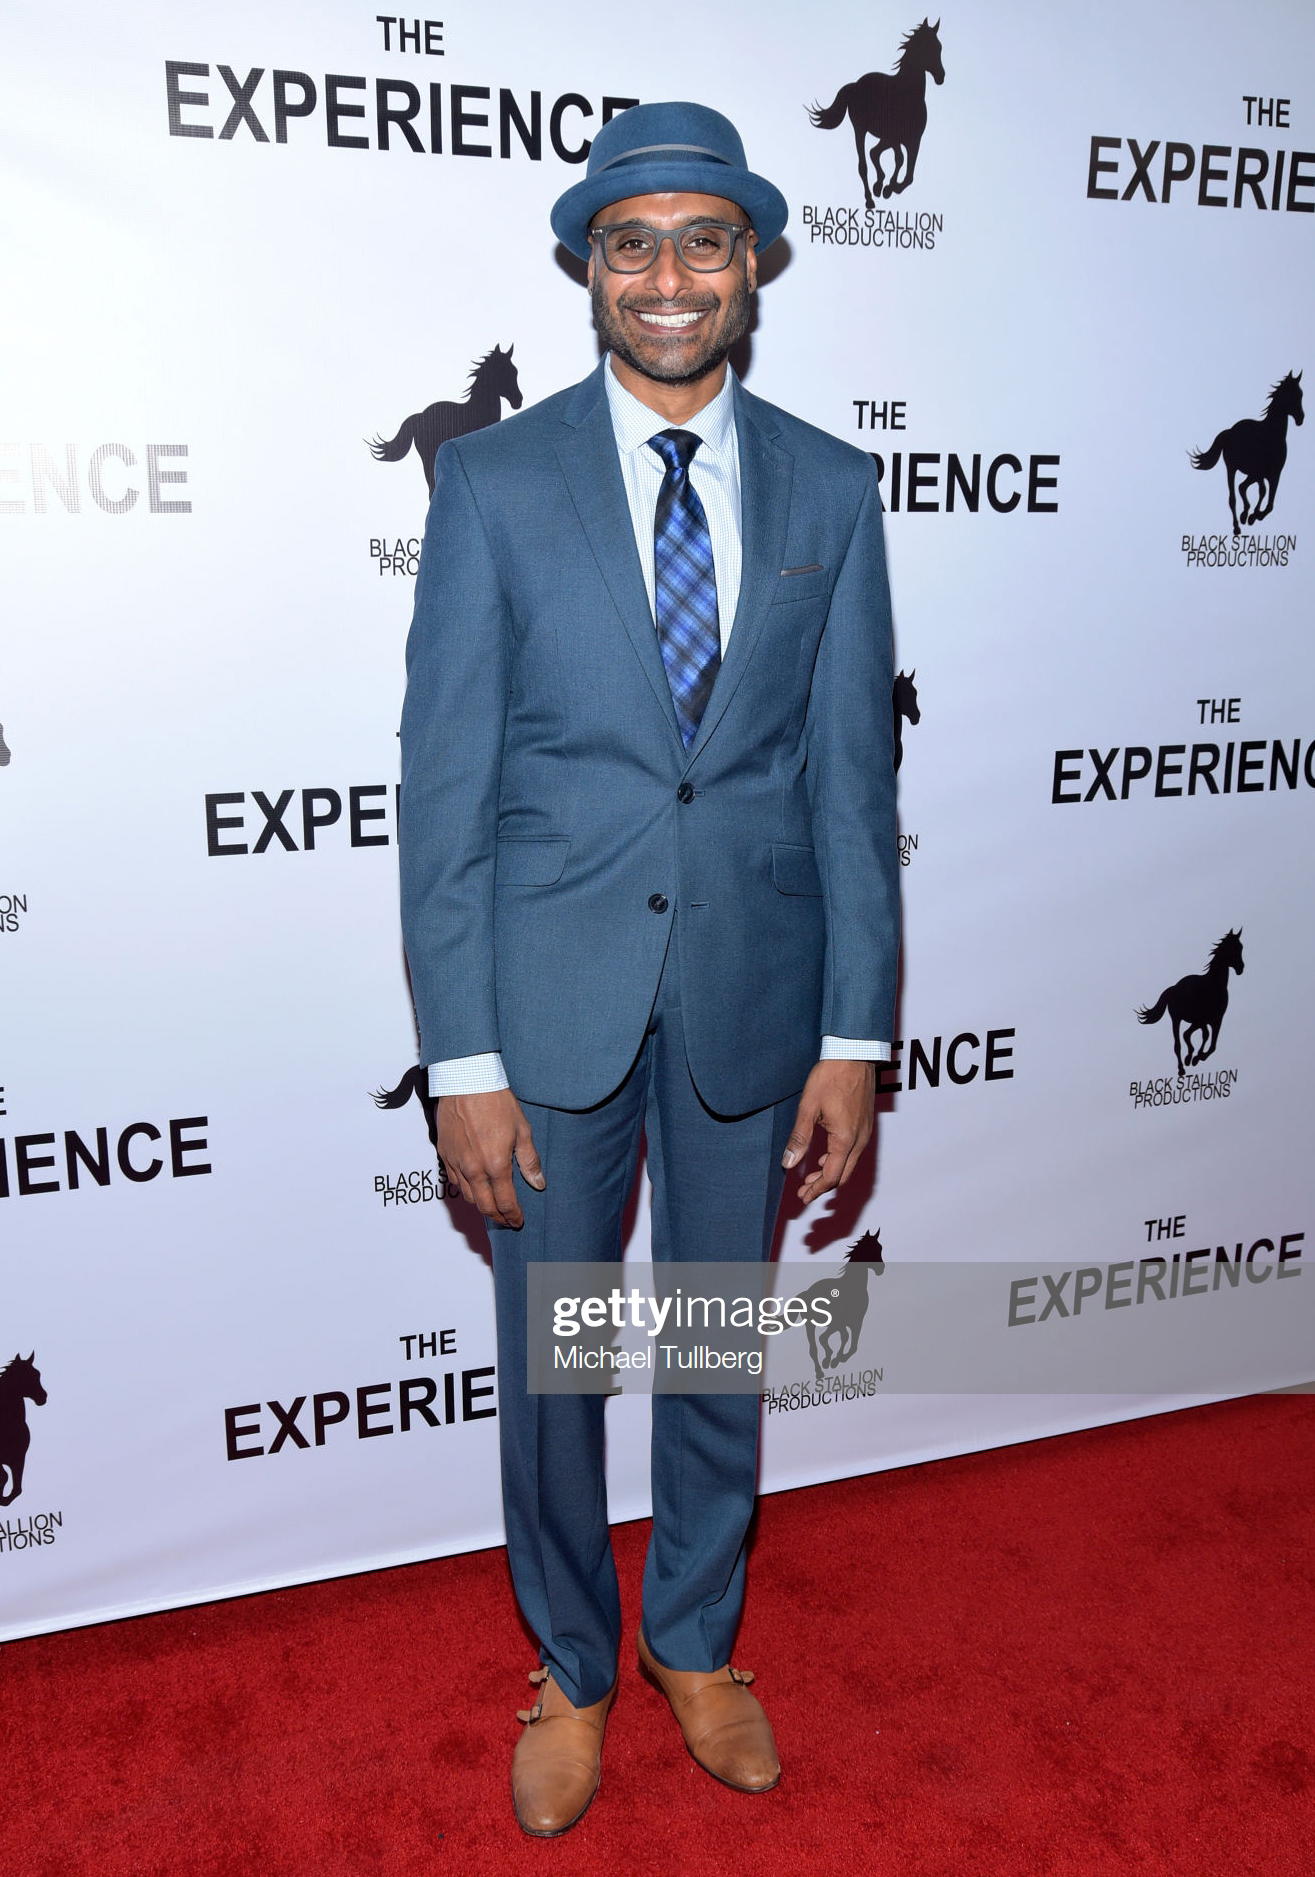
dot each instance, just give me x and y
(531, 863)
(794, 870)
(803, 583)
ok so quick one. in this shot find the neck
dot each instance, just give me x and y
(675, 403)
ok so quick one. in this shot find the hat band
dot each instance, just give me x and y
(652, 149)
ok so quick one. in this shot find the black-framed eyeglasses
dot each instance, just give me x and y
(632, 248)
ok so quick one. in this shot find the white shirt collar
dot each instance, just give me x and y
(634, 423)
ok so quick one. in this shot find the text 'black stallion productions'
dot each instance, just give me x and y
(1254, 452)
(421, 1183)
(1196, 1004)
(19, 1382)
(889, 109)
(492, 378)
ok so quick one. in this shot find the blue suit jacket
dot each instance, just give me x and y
(540, 820)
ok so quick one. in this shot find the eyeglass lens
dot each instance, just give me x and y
(705, 247)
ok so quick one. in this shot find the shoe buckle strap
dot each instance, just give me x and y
(529, 1715)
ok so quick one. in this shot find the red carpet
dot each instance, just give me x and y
(1090, 1655)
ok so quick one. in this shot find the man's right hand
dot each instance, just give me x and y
(478, 1135)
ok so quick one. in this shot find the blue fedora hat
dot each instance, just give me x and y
(654, 148)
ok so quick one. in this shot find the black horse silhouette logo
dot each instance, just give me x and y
(904, 702)
(1196, 1004)
(19, 1382)
(414, 1082)
(492, 378)
(847, 1299)
(4, 749)
(890, 108)
(1254, 452)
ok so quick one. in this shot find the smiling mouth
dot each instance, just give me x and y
(672, 322)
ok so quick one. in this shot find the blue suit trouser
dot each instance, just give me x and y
(717, 1186)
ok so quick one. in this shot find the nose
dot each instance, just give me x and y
(667, 272)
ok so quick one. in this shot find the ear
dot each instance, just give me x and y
(32, 1357)
(913, 674)
(510, 350)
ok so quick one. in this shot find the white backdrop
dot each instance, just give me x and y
(213, 606)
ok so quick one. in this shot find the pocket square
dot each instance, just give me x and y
(813, 567)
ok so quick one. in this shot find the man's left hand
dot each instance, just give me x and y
(839, 1095)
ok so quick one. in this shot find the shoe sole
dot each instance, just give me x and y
(731, 1786)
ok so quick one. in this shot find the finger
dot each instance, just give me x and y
(486, 1198)
(802, 1131)
(856, 1153)
(504, 1197)
(827, 1176)
(527, 1158)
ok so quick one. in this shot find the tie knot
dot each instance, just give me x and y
(675, 447)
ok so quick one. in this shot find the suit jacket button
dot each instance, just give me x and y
(657, 902)
(685, 793)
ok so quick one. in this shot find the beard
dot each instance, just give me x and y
(717, 337)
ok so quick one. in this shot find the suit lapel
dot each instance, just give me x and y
(766, 478)
(587, 454)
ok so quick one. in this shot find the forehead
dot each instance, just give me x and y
(670, 210)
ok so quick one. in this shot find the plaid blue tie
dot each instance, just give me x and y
(685, 583)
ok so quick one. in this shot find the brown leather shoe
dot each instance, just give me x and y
(555, 1768)
(724, 1726)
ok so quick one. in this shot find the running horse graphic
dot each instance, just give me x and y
(1254, 452)
(1196, 1004)
(891, 108)
(19, 1382)
(847, 1299)
(414, 1082)
(904, 703)
(492, 378)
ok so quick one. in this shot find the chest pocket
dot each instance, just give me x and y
(806, 584)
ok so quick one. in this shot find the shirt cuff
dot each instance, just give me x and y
(468, 1075)
(849, 1049)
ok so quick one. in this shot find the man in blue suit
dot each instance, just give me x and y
(650, 885)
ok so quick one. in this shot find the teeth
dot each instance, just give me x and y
(670, 319)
